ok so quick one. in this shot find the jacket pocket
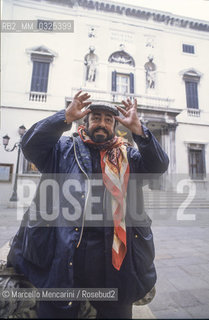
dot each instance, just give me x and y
(143, 250)
(38, 245)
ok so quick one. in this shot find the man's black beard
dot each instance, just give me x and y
(99, 138)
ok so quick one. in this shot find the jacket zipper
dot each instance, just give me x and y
(105, 190)
(84, 211)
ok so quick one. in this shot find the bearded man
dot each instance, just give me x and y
(115, 253)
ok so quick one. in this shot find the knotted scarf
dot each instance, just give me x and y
(115, 173)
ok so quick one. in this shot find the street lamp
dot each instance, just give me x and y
(6, 139)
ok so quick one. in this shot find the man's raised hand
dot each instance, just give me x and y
(131, 119)
(73, 111)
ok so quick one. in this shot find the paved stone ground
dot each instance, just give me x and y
(182, 262)
(8, 224)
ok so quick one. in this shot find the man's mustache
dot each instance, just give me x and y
(100, 128)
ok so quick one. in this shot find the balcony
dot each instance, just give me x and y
(38, 96)
(193, 112)
(149, 101)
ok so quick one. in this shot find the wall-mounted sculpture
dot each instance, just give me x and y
(90, 60)
(150, 69)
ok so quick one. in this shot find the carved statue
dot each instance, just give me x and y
(150, 69)
(90, 62)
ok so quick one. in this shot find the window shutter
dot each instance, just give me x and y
(188, 48)
(114, 81)
(191, 94)
(45, 74)
(194, 86)
(40, 75)
(131, 82)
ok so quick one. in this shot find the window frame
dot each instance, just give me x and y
(130, 77)
(188, 45)
(191, 89)
(200, 168)
(40, 55)
(192, 98)
(40, 73)
(120, 85)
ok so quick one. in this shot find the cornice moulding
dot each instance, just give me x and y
(144, 14)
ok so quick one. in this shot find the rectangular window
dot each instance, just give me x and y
(122, 83)
(196, 163)
(191, 94)
(187, 48)
(40, 75)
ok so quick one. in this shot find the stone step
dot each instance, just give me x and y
(169, 199)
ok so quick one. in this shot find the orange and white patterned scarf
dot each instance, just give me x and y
(115, 173)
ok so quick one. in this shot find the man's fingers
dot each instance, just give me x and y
(77, 94)
(135, 103)
(80, 101)
(85, 104)
(131, 104)
(84, 113)
(84, 96)
(125, 104)
(119, 119)
(121, 110)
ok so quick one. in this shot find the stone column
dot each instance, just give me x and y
(172, 143)
(166, 147)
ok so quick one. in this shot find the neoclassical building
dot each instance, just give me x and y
(113, 51)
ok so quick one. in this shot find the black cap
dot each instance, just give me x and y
(100, 105)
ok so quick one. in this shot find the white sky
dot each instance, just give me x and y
(198, 9)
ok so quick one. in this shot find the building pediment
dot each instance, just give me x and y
(191, 75)
(41, 50)
(191, 72)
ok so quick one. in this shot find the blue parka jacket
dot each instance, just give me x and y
(44, 253)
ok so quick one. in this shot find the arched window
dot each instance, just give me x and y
(122, 82)
(121, 57)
